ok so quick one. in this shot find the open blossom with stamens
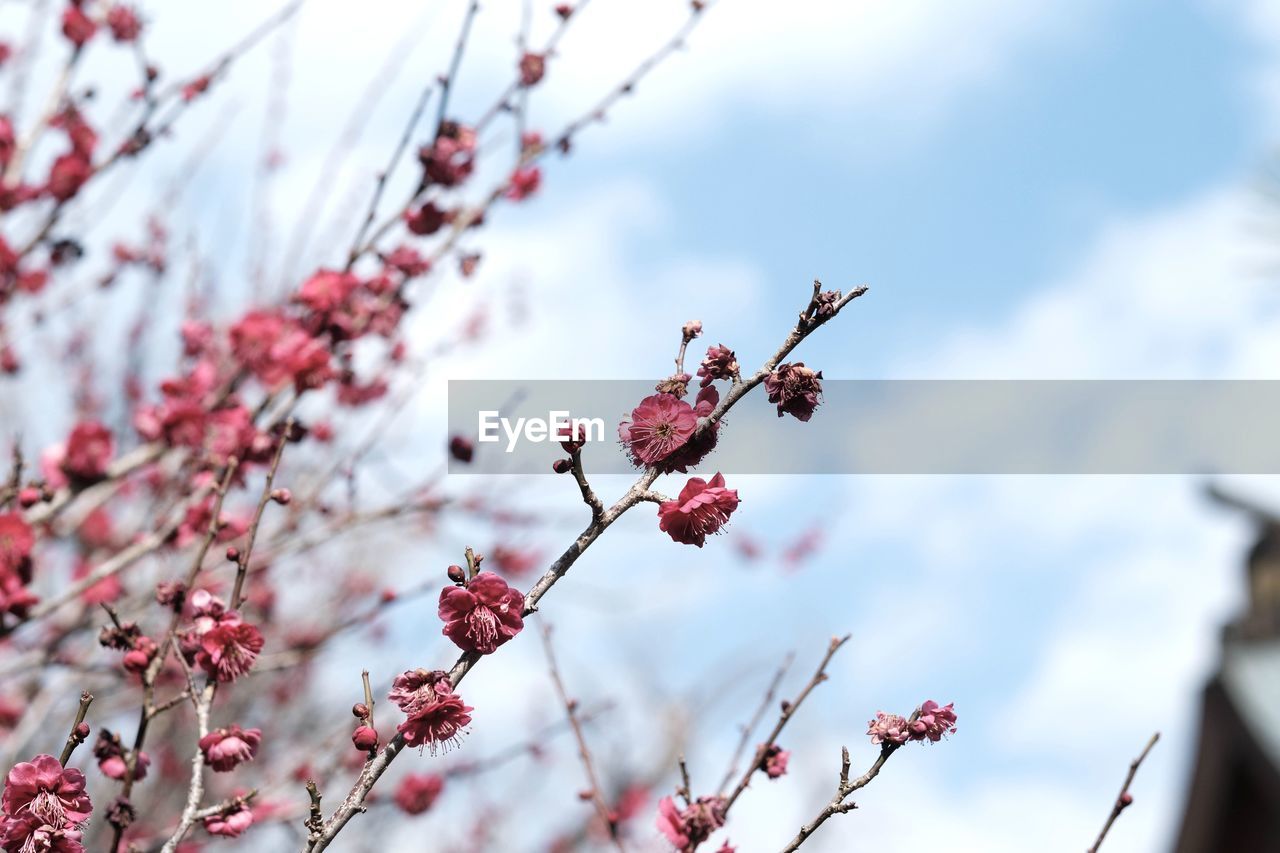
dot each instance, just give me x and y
(482, 615)
(933, 721)
(688, 828)
(888, 728)
(701, 509)
(417, 792)
(229, 823)
(228, 747)
(44, 788)
(435, 715)
(27, 832)
(795, 389)
(228, 650)
(661, 429)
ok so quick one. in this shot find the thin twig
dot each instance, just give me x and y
(1124, 799)
(584, 751)
(750, 727)
(75, 737)
(788, 711)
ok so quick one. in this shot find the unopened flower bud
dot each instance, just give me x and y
(585, 796)
(281, 496)
(29, 497)
(1126, 800)
(461, 448)
(457, 574)
(359, 710)
(365, 738)
(692, 329)
(562, 466)
(233, 554)
(82, 731)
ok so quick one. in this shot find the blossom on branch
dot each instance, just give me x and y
(688, 828)
(435, 716)
(225, 749)
(44, 806)
(417, 792)
(482, 614)
(702, 508)
(795, 389)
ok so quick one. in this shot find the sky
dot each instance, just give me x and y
(1032, 190)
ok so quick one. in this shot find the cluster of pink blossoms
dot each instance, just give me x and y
(931, 722)
(666, 433)
(44, 807)
(435, 716)
(219, 641)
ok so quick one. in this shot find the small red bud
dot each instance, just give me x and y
(365, 739)
(359, 710)
(233, 554)
(457, 574)
(562, 466)
(82, 731)
(585, 795)
(1126, 800)
(29, 497)
(282, 496)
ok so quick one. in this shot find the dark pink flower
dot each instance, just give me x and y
(888, 728)
(115, 766)
(701, 509)
(719, 363)
(774, 761)
(124, 23)
(77, 26)
(230, 823)
(27, 832)
(795, 389)
(524, 183)
(659, 431)
(532, 68)
(224, 749)
(435, 715)
(933, 721)
(418, 791)
(425, 220)
(88, 451)
(327, 290)
(482, 615)
(68, 174)
(658, 427)
(43, 787)
(688, 828)
(229, 649)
